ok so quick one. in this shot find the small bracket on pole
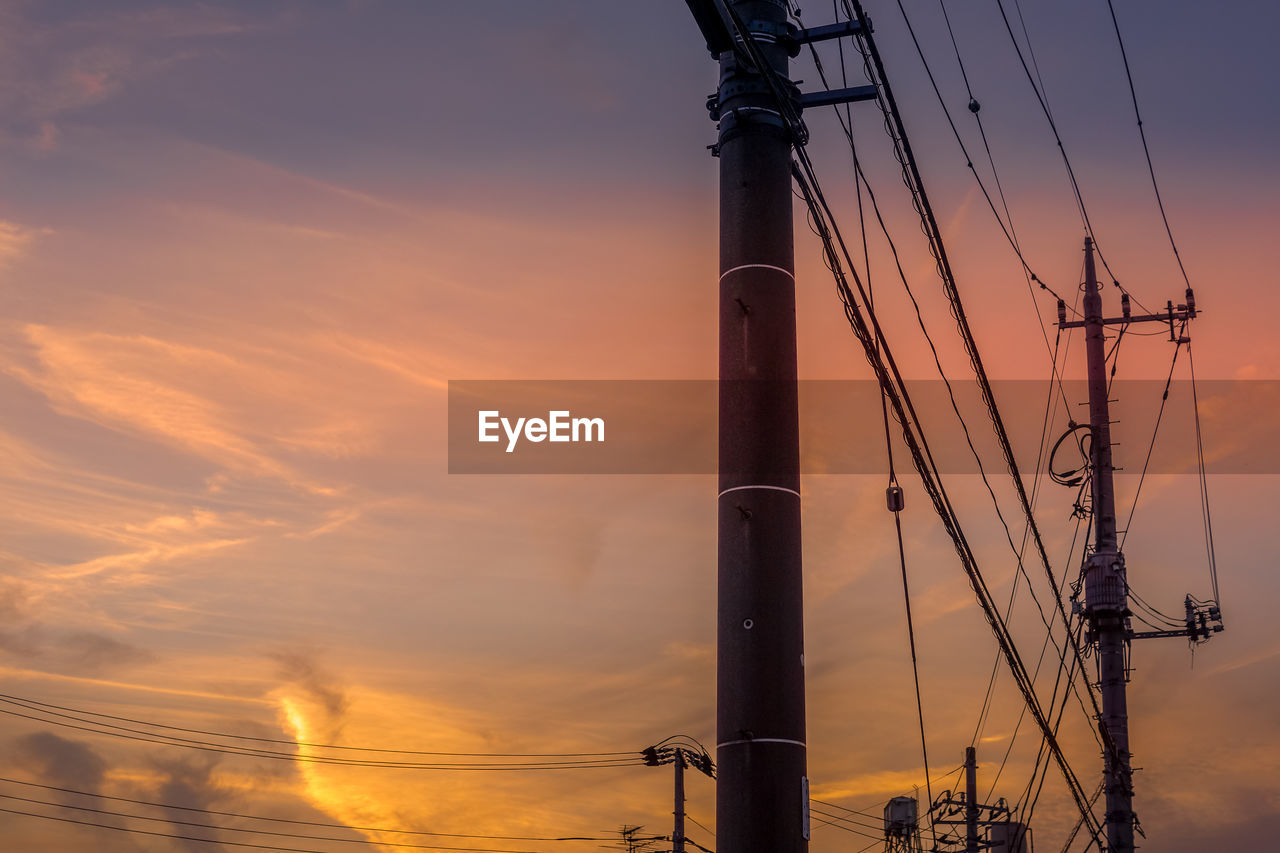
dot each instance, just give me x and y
(828, 31)
(838, 96)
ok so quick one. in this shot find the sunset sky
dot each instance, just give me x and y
(244, 247)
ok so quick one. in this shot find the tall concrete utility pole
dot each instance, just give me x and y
(762, 791)
(1106, 591)
(762, 796)
(1106, 588)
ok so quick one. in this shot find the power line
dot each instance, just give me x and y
(318, 824)
(1035, 675)
(698, 824)
(865, 822)
(1042, 458)
(1210, 550)
(834, 825)
(1142, 133)
(1010, 233)
(911, 632)
(1041, 98)
(884, 410)
(1076, 830)
(122, 732)
(923, 461)
(912, 179)
(272, 833)
(1155, 431)
(159, 834)
(922, 458)
(863, 811)
(687, 840)
(920, 200)
(16, 699)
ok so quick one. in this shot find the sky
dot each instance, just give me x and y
(244, 248)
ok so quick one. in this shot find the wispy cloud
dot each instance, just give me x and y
(15, 240)
(51, 71)
(166, 390)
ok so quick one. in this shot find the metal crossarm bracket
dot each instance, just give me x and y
(838, 96)
(827, 31)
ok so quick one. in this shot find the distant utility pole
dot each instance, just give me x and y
(762, 799)
(970, 800)
(1106, 586)
(966, 811)
(681, 757)
(677, 831)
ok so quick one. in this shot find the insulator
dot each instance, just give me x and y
(894, 498)
(1062, 312)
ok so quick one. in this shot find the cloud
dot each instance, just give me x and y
(54, 68)
(185, 396)
(59, 761)
(82, 652)
(301, 671)
(189, 784)
(14, 241)
(93, 654)
(129, 565)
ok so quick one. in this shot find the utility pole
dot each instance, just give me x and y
(966, 811)
(681, 757)
(970, 800)
(762, 792)
(762, 798)
(677, 832)
(1106, 590)
(1106, 586)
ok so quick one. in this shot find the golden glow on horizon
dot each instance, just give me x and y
(332, 790)
(228, 327)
